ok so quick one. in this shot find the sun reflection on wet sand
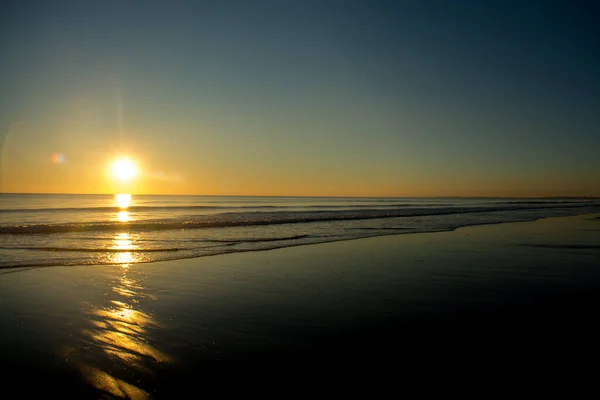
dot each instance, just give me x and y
(118, 336)
(106, 383)
(120, 332)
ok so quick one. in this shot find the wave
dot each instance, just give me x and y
(198, 208)
(237, 219)
(257, 240)
(208, 208)
(87, 249)
(154, 250)
(253, 240)
(545, 202)
(131, 208)
(375, 204)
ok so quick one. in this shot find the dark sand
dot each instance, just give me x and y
(501, 302)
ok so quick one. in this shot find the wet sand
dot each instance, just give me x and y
(372, 312)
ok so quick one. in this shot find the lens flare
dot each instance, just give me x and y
(58, 158)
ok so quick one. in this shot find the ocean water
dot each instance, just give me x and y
(50, 230)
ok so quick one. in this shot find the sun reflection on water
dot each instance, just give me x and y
(123, 216)
(123, 250)
(122, 241)
(124, 258)
(123, 200)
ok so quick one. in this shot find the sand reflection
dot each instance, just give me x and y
(121, 355)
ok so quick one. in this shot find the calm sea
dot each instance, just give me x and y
(50, 229)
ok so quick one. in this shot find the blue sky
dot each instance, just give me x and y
(377, 98)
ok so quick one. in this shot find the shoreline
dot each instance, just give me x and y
(483, 294)
(397, 232)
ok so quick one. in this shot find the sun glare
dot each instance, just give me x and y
(123, 170)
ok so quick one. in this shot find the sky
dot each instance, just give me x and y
(326, 98)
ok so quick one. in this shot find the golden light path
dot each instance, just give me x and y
(120, 332)
(119, 329)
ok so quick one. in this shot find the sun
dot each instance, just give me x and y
(124, 170)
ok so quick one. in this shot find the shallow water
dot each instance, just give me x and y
(53, 230)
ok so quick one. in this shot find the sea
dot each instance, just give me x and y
(38, 230)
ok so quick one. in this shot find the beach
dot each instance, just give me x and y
(524, 293)
(299, 199)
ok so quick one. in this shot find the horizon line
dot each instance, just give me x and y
(323, 196)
